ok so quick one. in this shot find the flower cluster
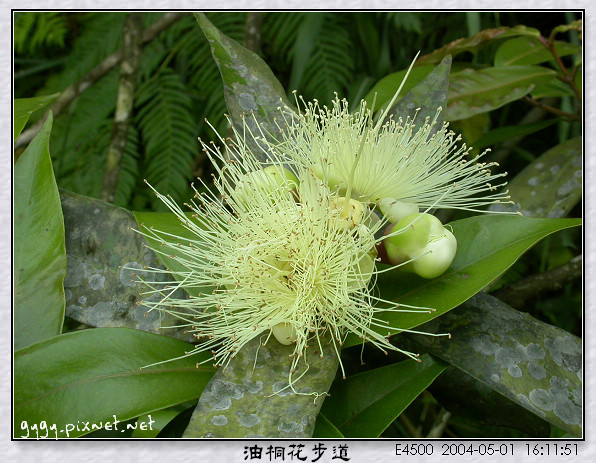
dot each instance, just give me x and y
(289, 250)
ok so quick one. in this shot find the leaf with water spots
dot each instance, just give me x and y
(250, 87)
(477, 42)
(534, 364)
(551, 185)
(105, 260)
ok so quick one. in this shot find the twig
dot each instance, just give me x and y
(131, 58)
(550, 109)
(515, 294)
(109, 63)
(252, 31)
(440, 424)
(409, 426)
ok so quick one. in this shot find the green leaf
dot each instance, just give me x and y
(551, 185)
(249, 84)
(364, 404)
(24, 107)
(476, 91)
(513, 131)
(426, 97)
(150, 425)
(473, 128)
(167, 222)
(94, 374)
(487, 246)
(477, 42)
(536, 365)
(385, 88)
(472, 400)
(106, 256)
(529, 50)
(40, 257)
(572, 26)
(552, 88)
(325, 429)
(252, 395)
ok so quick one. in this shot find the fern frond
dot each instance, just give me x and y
(74, 131)
(101, 35)
(279, 33)
(168, 133)
(331, 65)
(35, 30)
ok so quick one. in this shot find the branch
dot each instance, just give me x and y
(439, 425)
(252, 31)
(131, 58)
(558, 112)
(515, 294)
(109, 63)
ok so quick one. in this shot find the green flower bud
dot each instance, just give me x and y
(272, 181)
(329, 176)
(364, 270)
(285, 333)
(422, 238)
(441, 253)
(395, 210)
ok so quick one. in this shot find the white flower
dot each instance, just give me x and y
(389, 163)
(285, 254)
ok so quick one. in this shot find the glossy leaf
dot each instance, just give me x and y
(471, 399)
(551, 185)
(364, 404)
(487, 246)
(167, 222)
(249, 84)
(476, 91)
(106, 258)
(426, 97)
(24, 107)
(550, 89)
(385, 88)
(325, 429)
(529, 50)
(477, 42)
(536, 365)
(40, 257)
(251, 397)
(150, 425)
(94, 374)
(513, 131)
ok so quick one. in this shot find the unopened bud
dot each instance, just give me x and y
(395, 210)
(272, 180)
(285, 333)
(422, 239)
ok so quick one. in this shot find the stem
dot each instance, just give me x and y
(558, 112)
(531, 287)
(131, 58)
(109, 63)
(550, 46)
